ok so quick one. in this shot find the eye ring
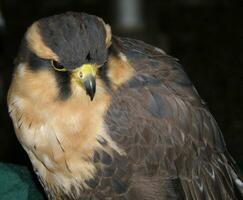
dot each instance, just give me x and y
(57, 66)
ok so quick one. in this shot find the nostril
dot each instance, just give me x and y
(80, 74)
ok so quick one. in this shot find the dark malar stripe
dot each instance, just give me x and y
(64, 84)
(103, 75)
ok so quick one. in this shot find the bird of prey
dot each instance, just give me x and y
(105, 117)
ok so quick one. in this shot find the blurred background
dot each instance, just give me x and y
(205, 35)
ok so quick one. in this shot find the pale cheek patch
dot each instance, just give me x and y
(120, 70)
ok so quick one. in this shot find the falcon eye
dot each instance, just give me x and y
(57, 66)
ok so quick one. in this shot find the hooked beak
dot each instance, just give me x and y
(90, 86)
(86, 75)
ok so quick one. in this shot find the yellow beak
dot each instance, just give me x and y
(86, 75)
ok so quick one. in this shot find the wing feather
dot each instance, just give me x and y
(173, 143)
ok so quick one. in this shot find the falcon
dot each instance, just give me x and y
(105, 117)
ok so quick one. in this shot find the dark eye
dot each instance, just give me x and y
(57, 66)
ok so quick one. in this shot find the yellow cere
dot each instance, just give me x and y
(88, 69)
(80, 73)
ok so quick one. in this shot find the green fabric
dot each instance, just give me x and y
(16, 182)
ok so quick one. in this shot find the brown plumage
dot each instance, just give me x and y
(142, 133)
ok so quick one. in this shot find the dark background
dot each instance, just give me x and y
(206, 35)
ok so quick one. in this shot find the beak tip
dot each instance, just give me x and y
(90, 87)
(91, 98)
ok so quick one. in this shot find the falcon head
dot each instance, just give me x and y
(70, 47)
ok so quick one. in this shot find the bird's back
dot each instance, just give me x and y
(174, 148)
